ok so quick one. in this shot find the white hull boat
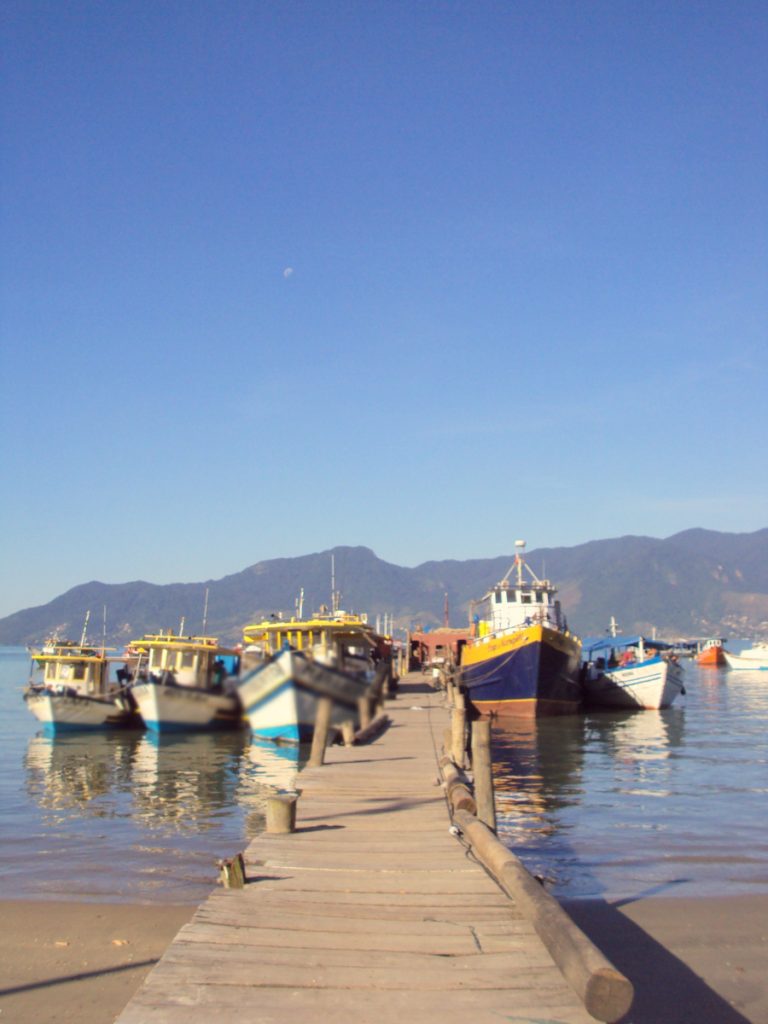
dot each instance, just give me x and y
(280, 698)
(70, 688)
(184, 683)
(170, 707)
(60, 711)
(628, 672)
(651, 684)
(751, 658)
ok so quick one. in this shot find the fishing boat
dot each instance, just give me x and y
(754, 657)
(521, 659)
(70, 688)
(297, 662)
(184, 683)
(630, 672)
(710, 653)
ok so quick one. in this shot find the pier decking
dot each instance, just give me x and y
(371, 911)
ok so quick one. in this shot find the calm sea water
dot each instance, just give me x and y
(123, 816)
(614, 805)
(618, 805)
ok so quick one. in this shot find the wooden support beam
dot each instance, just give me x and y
(605, 992)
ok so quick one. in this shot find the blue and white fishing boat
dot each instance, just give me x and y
(280, 698)
(629, 672)
(184, 683)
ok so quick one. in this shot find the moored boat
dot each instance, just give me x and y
(70, 688)
(630, 672)
(184, 683)
(297, 662)
(522, 659)
(711, 653)
(280, 698)
(751, 658)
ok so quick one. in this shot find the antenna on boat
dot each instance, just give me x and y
(334, 593)
(104, 629)
(84, 634)
(181, 626)
(613, 627)
(205, 612)
(299, 604)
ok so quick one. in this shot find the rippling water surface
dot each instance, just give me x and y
(619, 804)
(123, 815)
(615, 805)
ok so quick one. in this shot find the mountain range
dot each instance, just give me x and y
(697, 583)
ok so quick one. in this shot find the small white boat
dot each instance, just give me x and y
(70, 688)
(751, 658)
(629, 672)
(184, 683)
(280, 698)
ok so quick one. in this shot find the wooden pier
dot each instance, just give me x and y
(371, 911)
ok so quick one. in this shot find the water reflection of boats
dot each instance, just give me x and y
(648, 737)
(185, 780)
(275, 766)
(70, 771)
(537, 766)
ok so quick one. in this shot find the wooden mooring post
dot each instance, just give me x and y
(482, 772)
(459, 729)
(320, 735)
(281, 813)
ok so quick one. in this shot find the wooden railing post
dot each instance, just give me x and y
(320, 735)
(482, 771)
(459, 726)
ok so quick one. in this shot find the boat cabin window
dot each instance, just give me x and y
(79, 670)
(187, 659)
(525, 598)
(498, 597)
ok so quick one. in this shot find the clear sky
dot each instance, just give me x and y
(425, 276)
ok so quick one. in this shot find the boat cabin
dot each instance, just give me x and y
(524, 600)
(514, 606)
(81, 670)
(342, 641)
(196, 661)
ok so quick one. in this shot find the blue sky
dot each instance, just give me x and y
(422, 276)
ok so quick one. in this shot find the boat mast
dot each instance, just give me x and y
(519, 560)
(205, 612)
(84, 634)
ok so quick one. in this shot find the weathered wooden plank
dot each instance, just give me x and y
(199, 1004)
(312, 972)
(360, 944)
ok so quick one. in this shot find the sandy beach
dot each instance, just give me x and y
(691, 961)
(62, 962)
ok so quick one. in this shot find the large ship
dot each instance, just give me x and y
(521, 659)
